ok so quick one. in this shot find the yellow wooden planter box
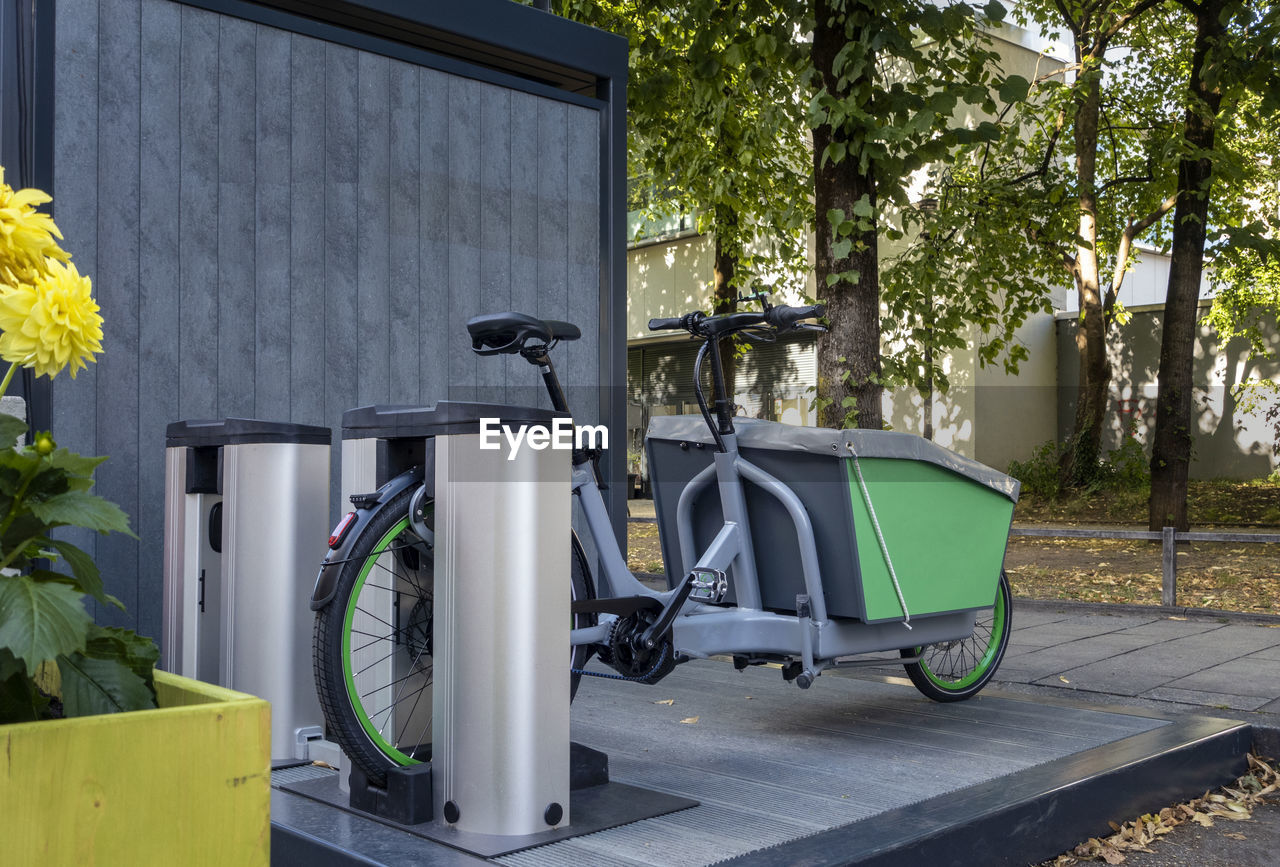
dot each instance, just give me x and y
(187, 783)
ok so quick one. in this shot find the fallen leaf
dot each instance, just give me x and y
(1176, 617)
(1234, 836)
(1063, 679)
(689, 720)
(667, 701)
(319, 764)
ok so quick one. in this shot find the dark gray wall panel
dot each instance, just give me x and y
(404, 330)
(237, 96)
(198, 195)
(495, 228)
(158, 280)
(339, 240)
(373, 194)
(463, 286)
(283, 228)
(76, 166)
(308, 314)
(582, 150)
(436, 326)
(119, 145)
(273, 64)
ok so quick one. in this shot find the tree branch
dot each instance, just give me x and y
(1133, 13)
(1134, 179)
(1067, 19)
(1132, 231)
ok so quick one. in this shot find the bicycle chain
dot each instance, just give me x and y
(637, 679)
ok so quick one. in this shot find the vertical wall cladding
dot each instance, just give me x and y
(284, 228)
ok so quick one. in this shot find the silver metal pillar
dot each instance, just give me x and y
(501, 700)
(275, 523)
(246, 518)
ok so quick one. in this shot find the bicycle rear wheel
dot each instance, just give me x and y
(956, 670)
(374, 662)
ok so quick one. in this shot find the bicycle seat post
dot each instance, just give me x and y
(538, 355)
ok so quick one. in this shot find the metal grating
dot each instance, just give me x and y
(771, 764)
(298, 774)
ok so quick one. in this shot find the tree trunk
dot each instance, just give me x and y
(1079, 462)
(724, 297)
(1171, 447)
(848, 354)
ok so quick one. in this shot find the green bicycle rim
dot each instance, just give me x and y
(997, 628)
(352, 695)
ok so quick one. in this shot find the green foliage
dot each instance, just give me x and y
(1039, 473)
(715, 101)
(44, 627)
(1127, 468)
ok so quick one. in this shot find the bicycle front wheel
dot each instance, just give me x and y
(956, 670)
(374, 660)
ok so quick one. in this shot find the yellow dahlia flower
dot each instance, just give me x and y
(26, 235)
(50, 323)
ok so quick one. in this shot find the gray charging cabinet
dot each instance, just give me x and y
(246, 519)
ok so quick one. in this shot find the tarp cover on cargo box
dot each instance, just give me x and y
(755, 433)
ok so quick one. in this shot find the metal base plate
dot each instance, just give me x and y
(592, 809)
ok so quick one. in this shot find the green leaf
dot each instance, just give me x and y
(47, 483)
(863, 208)
(82, 509)
(92, 686)
(994, 10)
(40, 619)
(20, 701)
(1014, 89)
(77, 467)
(12, 429)
(840, 249)
(85, 572)
(9, 664)
(125, 646)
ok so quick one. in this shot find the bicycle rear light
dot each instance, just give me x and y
(340, 531)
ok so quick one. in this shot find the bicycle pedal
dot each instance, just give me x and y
(708, 585)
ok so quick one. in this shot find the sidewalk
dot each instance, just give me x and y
(1184, 662)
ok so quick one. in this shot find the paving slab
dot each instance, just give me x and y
(1163, 630)
(1271, 653)
(1066, 657)
(1250, 675)
(1207, 699)
(1157, 664)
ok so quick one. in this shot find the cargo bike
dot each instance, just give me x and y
(801, 547)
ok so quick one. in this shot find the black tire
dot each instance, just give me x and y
(389, 572)
(957, 670)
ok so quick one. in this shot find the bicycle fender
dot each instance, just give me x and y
(327, 581)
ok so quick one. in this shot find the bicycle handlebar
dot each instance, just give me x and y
(782, 318)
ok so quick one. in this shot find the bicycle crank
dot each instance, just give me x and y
(635, 657)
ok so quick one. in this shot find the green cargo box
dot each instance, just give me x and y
(944, 518)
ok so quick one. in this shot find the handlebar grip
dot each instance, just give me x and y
(786, 317)
(666, 324)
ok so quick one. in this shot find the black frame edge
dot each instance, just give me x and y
(1007, 820)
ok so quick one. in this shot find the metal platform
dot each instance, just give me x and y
(852, 771)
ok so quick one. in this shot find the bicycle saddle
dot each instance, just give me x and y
(495, 333)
